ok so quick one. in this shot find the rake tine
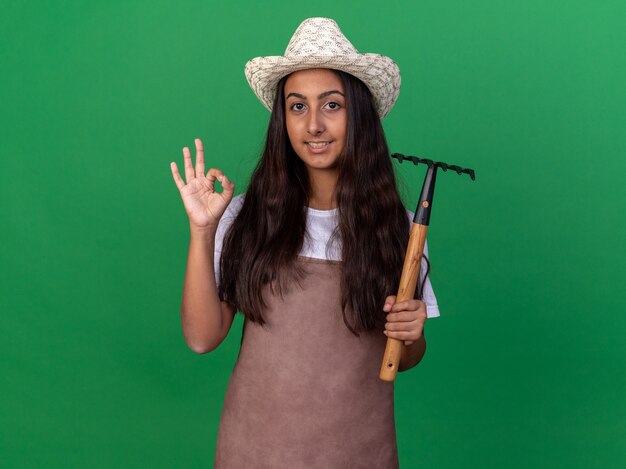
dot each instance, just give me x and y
(438, 164)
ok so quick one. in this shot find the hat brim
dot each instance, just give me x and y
(379, 73)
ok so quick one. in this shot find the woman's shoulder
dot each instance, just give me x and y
(234, 206)
(228, 217)
(409, 214)
(238, 199)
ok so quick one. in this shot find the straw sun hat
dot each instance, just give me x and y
(319, 43)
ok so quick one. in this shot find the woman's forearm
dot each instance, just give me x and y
(412, 354)
(205, 319)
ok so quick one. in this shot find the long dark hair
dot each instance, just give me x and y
(373, 226)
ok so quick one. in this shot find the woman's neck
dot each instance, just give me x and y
(323, 184)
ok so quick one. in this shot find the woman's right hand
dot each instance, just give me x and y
(203, 204)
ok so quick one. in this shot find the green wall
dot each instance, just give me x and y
(526, 367)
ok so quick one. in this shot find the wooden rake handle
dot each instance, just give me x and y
(406, 291)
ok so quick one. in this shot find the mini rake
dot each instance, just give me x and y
(414, 251)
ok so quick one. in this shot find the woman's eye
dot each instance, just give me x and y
(333, 105)
(297, 106)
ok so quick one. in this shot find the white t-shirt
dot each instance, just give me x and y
(319, 228)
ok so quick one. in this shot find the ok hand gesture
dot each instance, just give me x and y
(204, 206)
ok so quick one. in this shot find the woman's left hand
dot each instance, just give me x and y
(405, 320)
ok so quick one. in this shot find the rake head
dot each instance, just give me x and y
(436, 164)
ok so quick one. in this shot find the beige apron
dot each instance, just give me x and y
(305, 392)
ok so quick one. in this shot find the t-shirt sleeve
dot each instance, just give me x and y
(222, 228)
(428, 295)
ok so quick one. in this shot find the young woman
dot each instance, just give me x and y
(310, 255)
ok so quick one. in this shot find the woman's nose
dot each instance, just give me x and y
(315, 126)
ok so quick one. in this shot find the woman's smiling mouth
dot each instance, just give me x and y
(318, 147)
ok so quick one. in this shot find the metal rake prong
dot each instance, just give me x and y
(438, 164)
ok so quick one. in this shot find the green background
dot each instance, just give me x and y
(526, 367)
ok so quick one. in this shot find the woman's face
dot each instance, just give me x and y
(316, 117)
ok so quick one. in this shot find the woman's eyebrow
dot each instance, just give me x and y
(327, 93)
(323, 95)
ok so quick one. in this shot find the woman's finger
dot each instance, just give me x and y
(199, 158)
(212, 175)
(403, 325)
(228, 188)
(189, 173)
(402, 316)
(408, 305)
(177, 179)
(400, 335)
(389, 302)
